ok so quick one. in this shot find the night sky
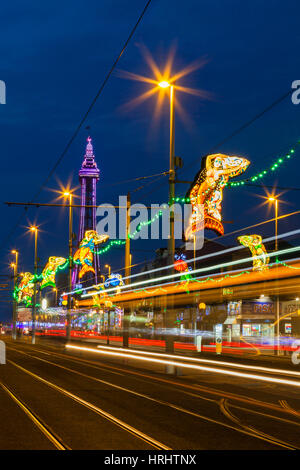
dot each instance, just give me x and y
(54, 56)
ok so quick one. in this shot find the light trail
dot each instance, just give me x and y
(175, 407)
(210, 255)
(228, 250)
(170, 284)
(178, 275)
(190, 366)
(208, 361)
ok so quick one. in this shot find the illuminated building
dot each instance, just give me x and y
(88, 176)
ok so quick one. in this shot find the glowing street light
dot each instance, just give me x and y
(34, 230)
(55, 290)
(161, 81)
(164, 84)
(14, 266)
(69, 195)
(274, 200)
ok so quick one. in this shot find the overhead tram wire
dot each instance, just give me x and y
(82, 121)
(164, 173)
(244, 126)
(233, 134)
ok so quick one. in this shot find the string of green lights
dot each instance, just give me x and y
(275, 165)
(184, 281)
(131, 235)
(259, 176)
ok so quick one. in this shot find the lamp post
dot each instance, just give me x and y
(55, 290)
(35, 231)
(171, 241)
(69, 306)
(127, 241)
(275, 200)
(15, 267)
(109, 269)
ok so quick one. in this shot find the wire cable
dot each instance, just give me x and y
(82, 121)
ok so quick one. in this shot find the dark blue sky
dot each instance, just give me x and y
(54, 55)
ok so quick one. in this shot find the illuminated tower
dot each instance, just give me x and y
(88, 177)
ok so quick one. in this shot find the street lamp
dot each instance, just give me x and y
(15, 267)
(171, 242)
(55, 290)
(34, 230)
(109, 268)
(68, 194)
(166, 83)
(275, 200)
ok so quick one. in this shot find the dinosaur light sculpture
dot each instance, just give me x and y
(207, 190)
(258, 251)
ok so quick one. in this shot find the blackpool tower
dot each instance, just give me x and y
(88, 176)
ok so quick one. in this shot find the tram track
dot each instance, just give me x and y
(225, 408)
(238, 426)
(108, 416)
(36, 420)
(283, 408)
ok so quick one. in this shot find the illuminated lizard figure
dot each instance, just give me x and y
(257, 248)
(25, 289)
(207, 189)
(50, 270)
(85, 253)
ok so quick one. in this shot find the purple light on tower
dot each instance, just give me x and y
(88, 176)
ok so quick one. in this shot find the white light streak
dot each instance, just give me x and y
(190, 366)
